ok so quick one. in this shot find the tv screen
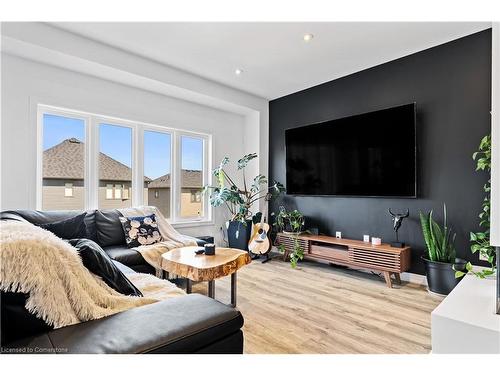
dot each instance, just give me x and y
(370, 155)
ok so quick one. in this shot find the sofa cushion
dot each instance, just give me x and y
(122, 254)
(144, 268)
(184, 324)
(67, 229)
(17, 321)
(140, 230)
(45, 217)
(96, 260)
(122, 267)
(109, 228)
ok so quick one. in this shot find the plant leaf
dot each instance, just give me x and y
(459, 274)
(243, 162)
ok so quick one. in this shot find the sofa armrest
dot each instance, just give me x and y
(186, 324)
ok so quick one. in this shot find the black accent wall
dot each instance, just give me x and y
(451, 85)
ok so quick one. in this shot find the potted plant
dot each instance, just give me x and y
(440, 261)
(481, 240)
(291, 222)
(239, 200)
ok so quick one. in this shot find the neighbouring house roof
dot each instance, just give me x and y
(66, 161)
(189, 179)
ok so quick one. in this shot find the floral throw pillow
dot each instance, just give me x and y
(140, 230)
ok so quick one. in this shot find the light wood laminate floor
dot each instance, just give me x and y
(318, 308)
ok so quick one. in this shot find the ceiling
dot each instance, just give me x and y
(274, 57)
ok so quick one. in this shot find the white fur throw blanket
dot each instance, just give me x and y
(171, 239)
(61, 290)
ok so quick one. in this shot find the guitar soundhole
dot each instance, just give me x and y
(261, 230)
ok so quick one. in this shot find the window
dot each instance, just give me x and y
(63, 159)
(109, 191)
(115, 165)
(126, 193)
(195, 196)
(118, 191)
(191, 177)
(157, 170)
(68, 190)
(91, 161)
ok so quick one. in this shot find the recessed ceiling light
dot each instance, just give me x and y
(308, 37)
(238, 71)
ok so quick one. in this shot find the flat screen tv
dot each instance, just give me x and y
(367, 155)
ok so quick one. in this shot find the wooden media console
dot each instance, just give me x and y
(391, 261)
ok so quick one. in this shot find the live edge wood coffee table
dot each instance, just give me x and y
(184, 262)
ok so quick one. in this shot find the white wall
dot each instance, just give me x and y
(27, 83)
(44, 64)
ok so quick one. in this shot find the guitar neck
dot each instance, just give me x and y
(264, 214)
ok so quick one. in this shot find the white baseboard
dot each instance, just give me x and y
(414, 278)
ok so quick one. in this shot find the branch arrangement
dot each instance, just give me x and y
(239, 200)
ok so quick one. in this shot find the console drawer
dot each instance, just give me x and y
(337, 252)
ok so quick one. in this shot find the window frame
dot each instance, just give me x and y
(41, 111)
(206, 173)
(97, 121)
(91, 162)
(171, 133)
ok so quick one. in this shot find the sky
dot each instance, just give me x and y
(115, 141)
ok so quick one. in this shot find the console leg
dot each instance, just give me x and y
(211, 289)
(387, 277)
(189, 286)
(397, 277)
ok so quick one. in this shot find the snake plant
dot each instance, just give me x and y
(440, 240)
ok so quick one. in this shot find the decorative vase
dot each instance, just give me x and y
(441, 276)
(238, 234)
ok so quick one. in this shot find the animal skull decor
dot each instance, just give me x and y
(397, 220)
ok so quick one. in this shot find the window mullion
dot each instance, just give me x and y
(175, 194)
(92, 164)
(138, 166)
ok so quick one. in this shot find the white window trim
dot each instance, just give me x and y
(92, 149)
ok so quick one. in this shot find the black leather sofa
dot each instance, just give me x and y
(186, 324)
(103, 227)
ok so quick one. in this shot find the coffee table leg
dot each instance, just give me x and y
(189, 286)
(211, 289)
(233, 289)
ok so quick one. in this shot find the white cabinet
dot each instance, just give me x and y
(465, 322)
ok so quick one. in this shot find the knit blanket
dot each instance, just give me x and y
(171, 239)
(61, 290)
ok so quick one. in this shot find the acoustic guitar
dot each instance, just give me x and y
(260, 243)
